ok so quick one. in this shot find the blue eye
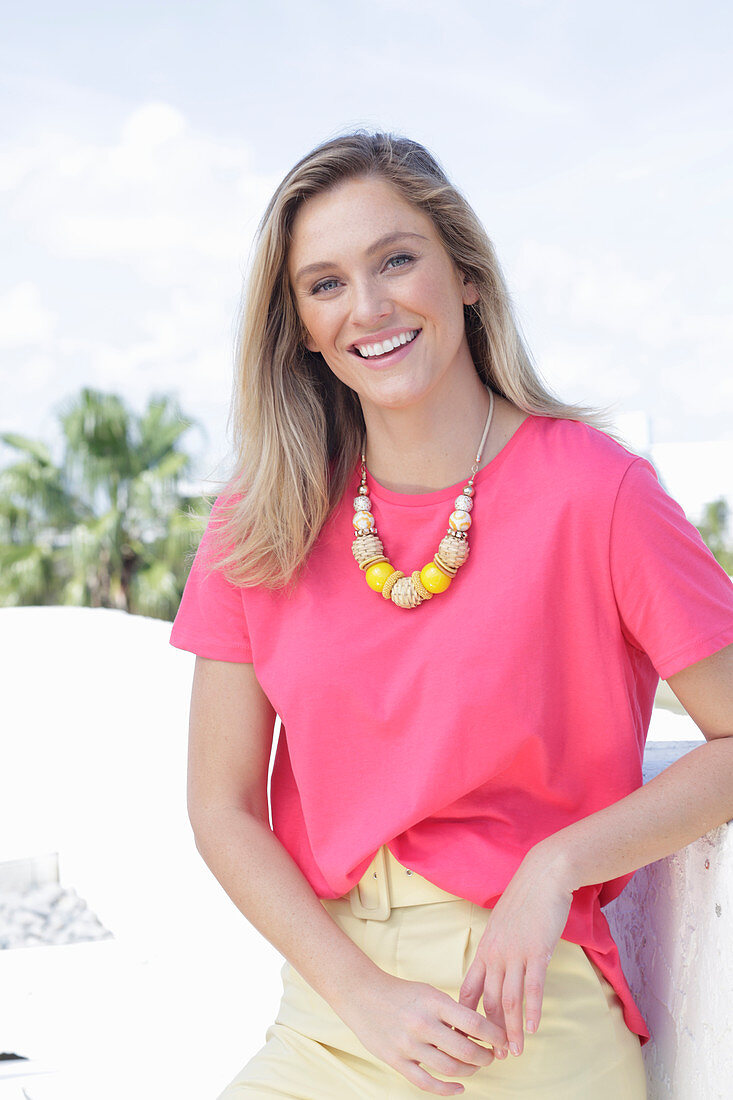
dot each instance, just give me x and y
(400, 256)
(399, 260)
(322, 285)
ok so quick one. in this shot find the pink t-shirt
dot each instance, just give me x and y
(464, 731)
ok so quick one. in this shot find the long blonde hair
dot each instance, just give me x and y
(297, 429)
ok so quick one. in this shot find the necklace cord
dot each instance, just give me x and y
(474, 468)
(482, 444)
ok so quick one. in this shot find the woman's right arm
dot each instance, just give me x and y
(230, 742)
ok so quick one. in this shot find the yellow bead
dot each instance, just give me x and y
(433, 578)
(377, 574)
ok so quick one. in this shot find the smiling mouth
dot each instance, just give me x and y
(383, 349)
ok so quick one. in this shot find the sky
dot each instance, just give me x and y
(141, 142)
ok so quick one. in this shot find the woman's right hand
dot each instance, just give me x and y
(405, 1023)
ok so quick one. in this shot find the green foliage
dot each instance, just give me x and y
(108, 526)
(714, 530)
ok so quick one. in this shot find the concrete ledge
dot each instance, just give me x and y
(24, 874)
(674, 928)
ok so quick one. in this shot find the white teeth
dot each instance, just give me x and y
(367, 350)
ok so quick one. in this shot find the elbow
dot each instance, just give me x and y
(212, 823)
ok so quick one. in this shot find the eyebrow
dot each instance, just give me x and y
(323, 265)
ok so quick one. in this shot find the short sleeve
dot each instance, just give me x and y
(674, 599)
(211, 618)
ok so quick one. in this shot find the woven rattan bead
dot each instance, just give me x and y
(366, 546)
(390, 583)
(453, 551)
(420, 587)
(403, 593)
(443, 564)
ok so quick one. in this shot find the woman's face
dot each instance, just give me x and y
(366, 266)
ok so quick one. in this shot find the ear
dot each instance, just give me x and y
(470, 293)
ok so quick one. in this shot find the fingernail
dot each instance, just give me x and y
(531, 1027)
(514, 1049)
(499, 1052)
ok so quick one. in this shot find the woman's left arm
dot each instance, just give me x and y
(681, 804)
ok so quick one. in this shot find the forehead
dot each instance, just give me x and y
(349, 217)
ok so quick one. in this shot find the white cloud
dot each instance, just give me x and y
(158, 198)
(152, 126)
(696, 473)
(599, 291)
(24, 319)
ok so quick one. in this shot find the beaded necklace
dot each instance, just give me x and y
(434, 577)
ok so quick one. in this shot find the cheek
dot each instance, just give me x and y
(437, 296)
(322, 324)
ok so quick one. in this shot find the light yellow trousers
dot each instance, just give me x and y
(411, 928)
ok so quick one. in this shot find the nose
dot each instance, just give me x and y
(369, 304)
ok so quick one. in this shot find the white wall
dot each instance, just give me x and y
(674, 928)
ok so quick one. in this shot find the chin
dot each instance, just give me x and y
(400, 395)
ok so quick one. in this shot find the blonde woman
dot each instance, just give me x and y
(458, 594)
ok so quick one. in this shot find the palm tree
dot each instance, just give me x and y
(109, 526)
(36, 508)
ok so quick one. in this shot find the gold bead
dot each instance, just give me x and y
(433, 577)
(377, 573)
(371, 561)
(390, 582)
(420, 587)
(443, 564)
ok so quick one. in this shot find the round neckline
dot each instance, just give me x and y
(437, 496)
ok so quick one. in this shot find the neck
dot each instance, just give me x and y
(427, 447)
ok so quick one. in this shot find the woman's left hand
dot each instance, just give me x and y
(516, 947)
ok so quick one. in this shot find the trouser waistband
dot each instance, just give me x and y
(386, 885)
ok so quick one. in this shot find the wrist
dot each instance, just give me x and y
(351, 970)
(550, 859)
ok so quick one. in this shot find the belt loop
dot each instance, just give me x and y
(374, 883)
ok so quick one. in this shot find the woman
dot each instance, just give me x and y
(457, 784)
